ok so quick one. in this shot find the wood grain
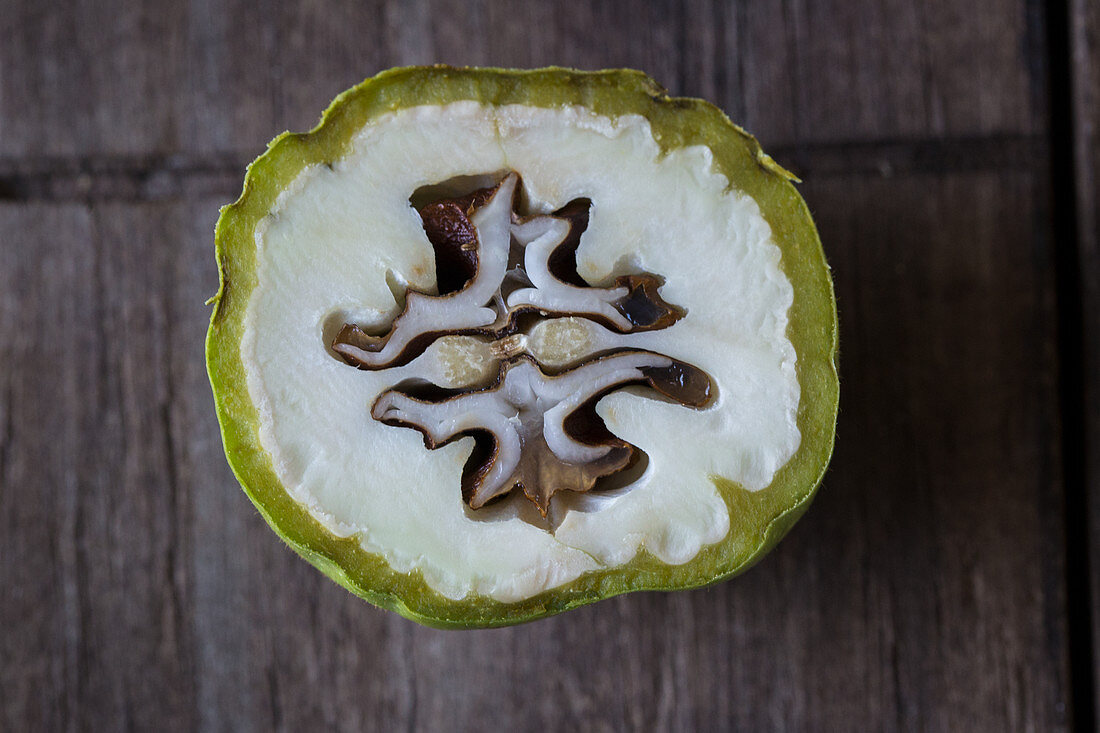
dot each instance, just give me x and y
(945, 449)
(208, 78)
(926, 588)
(43, 328)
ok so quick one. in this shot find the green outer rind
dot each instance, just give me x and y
(758, 520)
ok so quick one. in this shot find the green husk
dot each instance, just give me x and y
(758, 519)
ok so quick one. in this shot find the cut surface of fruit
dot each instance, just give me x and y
(491, 344)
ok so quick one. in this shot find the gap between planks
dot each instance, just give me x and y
(1069, 303)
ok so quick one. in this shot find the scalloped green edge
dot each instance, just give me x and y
(758, 520)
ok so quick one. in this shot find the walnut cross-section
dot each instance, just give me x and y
(499, 274)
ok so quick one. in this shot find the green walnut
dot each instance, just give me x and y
(492, 344)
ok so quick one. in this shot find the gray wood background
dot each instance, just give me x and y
(945, 579)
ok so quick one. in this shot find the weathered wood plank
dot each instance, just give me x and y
(90, 77)
(828, 71)
(110, 78)
(92, 515)
(1084, 29)
(948, 445)
(47, 342)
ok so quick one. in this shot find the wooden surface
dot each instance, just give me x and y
(944, 578)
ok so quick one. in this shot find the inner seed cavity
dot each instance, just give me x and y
(523, 348)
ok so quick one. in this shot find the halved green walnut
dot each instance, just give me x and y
(478, 238)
